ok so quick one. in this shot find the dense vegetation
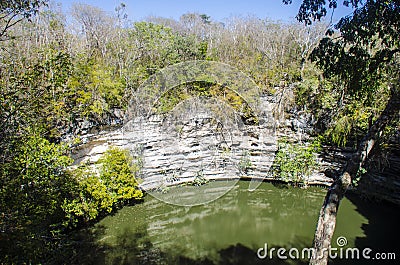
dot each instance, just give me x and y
(56, 73)
(364, 58)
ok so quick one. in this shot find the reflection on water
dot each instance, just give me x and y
(191, 195)
(226, 231)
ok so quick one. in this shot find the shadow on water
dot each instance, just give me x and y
(86, 247)
(381, 231)
(280, 185)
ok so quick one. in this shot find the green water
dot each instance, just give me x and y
(228, 230)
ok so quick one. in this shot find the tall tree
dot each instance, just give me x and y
(364, 56)
(96, 26)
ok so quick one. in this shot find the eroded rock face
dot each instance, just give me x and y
(93, 125)
(176, 148)
(178, 152)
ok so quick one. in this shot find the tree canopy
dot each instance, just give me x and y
(14, 11)
(364, 56)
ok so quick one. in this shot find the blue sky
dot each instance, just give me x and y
(217, 9)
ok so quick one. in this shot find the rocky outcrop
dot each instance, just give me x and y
(89, 127)
(173, 153)
(197, 146)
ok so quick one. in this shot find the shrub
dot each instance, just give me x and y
(102, 189)
(294, 162)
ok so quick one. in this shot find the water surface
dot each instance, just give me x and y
(230, 229)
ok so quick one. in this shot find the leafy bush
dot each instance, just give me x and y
(118, 174)
(34, 183)
(351, 123)
(94, 88)
(101, 191)
(294, 162)
(342, 117)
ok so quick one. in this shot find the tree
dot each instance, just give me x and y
(364, 56)
(14, 11)
(96, 26)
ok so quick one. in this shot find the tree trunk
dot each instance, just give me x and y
(327, 216)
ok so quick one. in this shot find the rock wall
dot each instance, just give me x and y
(198, 146)
(173, 154)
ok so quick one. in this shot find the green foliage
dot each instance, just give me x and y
(94, 88)
(34, 184)
(316, 93)
(359, 60)
(357, 178)
(367, 46)
(90, 199)
(22, 8)
(13, 11)
(117, 172)
(202, 50)
(98, 194)
(36, 92)
(315, 10)
(154, 46)
(342, 118)
(364, 59)
(294, 162)
(350, 123)
(172, 97)
(160, 46)
(35, 179)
